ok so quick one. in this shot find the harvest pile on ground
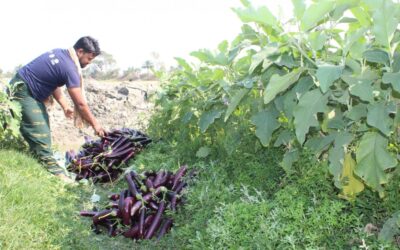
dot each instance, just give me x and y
(103, 159)
(141, 211)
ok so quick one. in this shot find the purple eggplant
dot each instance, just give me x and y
(132, 233)
(166, 225)
(127, 210)
(103, 215)
(87, 213)
(113, 197)
(141, 221)
(131, 185)
(156, 222)
(179, 174)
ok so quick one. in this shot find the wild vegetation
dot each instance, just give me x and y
(292, 128)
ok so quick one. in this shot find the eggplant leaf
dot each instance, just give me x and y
(208, 118)
(235, 102)
(315, 13)
(266, 123)
(305, 114)
(373, 160)
(278, 84)
(327, 74)
(351, 186)
(378, 117)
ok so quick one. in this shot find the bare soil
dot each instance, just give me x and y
(115, 104)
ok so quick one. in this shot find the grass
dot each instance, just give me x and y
(238, 203)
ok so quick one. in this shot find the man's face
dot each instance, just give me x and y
(85, 58)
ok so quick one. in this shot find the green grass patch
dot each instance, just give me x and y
(245, 201)
(32, 205)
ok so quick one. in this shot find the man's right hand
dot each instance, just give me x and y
(99, 131)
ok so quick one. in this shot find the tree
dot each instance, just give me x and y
(131, 74)
(157, 62)
(148, 65)
(103, 67)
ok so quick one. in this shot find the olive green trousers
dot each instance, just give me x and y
(35, 126)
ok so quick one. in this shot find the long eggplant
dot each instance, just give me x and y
(179, 174)
(166, 225)
(156, 222)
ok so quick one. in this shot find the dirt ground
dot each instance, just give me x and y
(115, 104)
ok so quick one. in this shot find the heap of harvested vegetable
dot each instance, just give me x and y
(139, 211)
(102, 159)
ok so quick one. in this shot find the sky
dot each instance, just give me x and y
(130, 30)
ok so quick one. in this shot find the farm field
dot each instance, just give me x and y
(292, 131)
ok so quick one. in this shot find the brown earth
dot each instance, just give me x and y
(115, 104)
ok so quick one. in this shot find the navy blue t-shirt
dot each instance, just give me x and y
(49, 71)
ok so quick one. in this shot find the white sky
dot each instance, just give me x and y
(128, 29)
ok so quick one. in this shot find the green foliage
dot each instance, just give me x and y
(336, 75)
(10, 117)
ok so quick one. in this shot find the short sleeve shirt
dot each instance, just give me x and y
(48, 71)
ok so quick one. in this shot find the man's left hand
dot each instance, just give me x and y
(69, 112)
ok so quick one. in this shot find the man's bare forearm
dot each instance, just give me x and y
(86, 114)
(60, 98)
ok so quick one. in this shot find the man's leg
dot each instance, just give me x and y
(35, 127)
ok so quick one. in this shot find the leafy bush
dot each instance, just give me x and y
(10, 117)
(323, 81)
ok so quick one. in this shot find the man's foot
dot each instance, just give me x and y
(65, 179)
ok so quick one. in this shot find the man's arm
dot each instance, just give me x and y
(83, 108)
(60, 98)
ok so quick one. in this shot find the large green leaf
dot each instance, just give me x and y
(385, 23)
(362, 16)
(305, 114)
(284, 138)
(378, 117)
(373, 160)
(376, 56)
(327, 74)
(232, 139)
(319, 143)
(315, 13)
(235, 101)
(286, 60)
(207, 57)
(184, 64)
(278, 84)
(352, 38)
(289, 158)
(393, 79)
(261, 57)
(208, 118)
(391, 228)
(317, 39)
(260, 15)
(266, 123)
(363, 90)
(360, 87)
(357, 112)
(299, 7)
(333, 120)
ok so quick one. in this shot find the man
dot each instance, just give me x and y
(39, 82)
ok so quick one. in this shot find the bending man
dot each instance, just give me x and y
(38, 82)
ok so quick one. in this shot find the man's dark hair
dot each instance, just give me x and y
(88, 44)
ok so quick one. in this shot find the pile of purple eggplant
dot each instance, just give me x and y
(101, 159)
(139, 212)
